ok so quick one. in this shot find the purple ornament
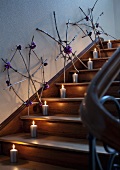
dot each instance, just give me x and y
(28, 103)
(67, 50)
(98, 33)
(46, 86)
(40, 104)
(33, 45)
(19, 47)
(45, 63)
(87, 18)
(89, 34)
(97, 25)
(8, 82)
(7, 65)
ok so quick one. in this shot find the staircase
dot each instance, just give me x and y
(62, 138)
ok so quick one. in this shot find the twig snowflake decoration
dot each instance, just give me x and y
(28, 76)
(92, 26)
(66, 51)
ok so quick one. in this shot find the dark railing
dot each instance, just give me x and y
(100, 122)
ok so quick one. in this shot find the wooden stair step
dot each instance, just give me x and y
(61, 151)
(70, 126)
(97, 62)
(63, 99)
(53, 118)
(79, 89)
(27, 165)
(63, 105)
(85, 71)
(107, 52)
(115, 43)
(54, 142)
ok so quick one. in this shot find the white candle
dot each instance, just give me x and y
(75, 78)
(13, 154)
(90, 64)
(62, 92)
(33, 130)
(45, 109)
(95, 53)
(109, 44)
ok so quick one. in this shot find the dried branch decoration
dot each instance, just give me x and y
(29, 77)
(66, 51)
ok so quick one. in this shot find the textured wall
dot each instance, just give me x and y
(116, 6)
(18, 20)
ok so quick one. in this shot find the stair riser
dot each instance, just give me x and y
(65, 158)
(96, 63)
(85, 76)
(80, 90)
(107, 53)
(114, 44)
(66, 108)
(57, 128)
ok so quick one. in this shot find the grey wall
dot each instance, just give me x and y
(18, 21)
(116, 5)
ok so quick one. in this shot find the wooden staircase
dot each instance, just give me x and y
(62, 138)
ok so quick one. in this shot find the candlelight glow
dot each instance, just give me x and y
(13, 146)
(62, 86)
(109, 41)
(89, 59)
(45, 102)
(94, 49)
(33, 122)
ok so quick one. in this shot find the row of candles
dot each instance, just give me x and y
(14, 151)
(95, 53)
(33, 127)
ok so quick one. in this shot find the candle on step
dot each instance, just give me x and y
(62, 92)
(13, 154)
(45, 108)
(95, 53)
(90, 64)
(75, 78)
(109, 44)
(33, 130)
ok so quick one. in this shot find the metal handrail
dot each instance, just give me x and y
(100, 122)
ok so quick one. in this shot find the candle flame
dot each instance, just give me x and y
(33, 122)
(62, 86)
(75, 73)
(89, 59)
(94, 49)
(13, 146)
(109, 41)
(45, 102)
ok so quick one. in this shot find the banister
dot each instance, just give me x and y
(100, 122)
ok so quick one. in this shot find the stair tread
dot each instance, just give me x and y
(86, 70)
(108, 49)
(113, 41)
(53, 118)
(96, 59)
(82, 83)
(27, 165)
(55, 142)
(63, 99)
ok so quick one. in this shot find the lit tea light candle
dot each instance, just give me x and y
(45, 108)
(62, 92)
(90, 64)
(95, 53)
(75, 78)
(33, 130)
(13, 154)
(109, 44)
